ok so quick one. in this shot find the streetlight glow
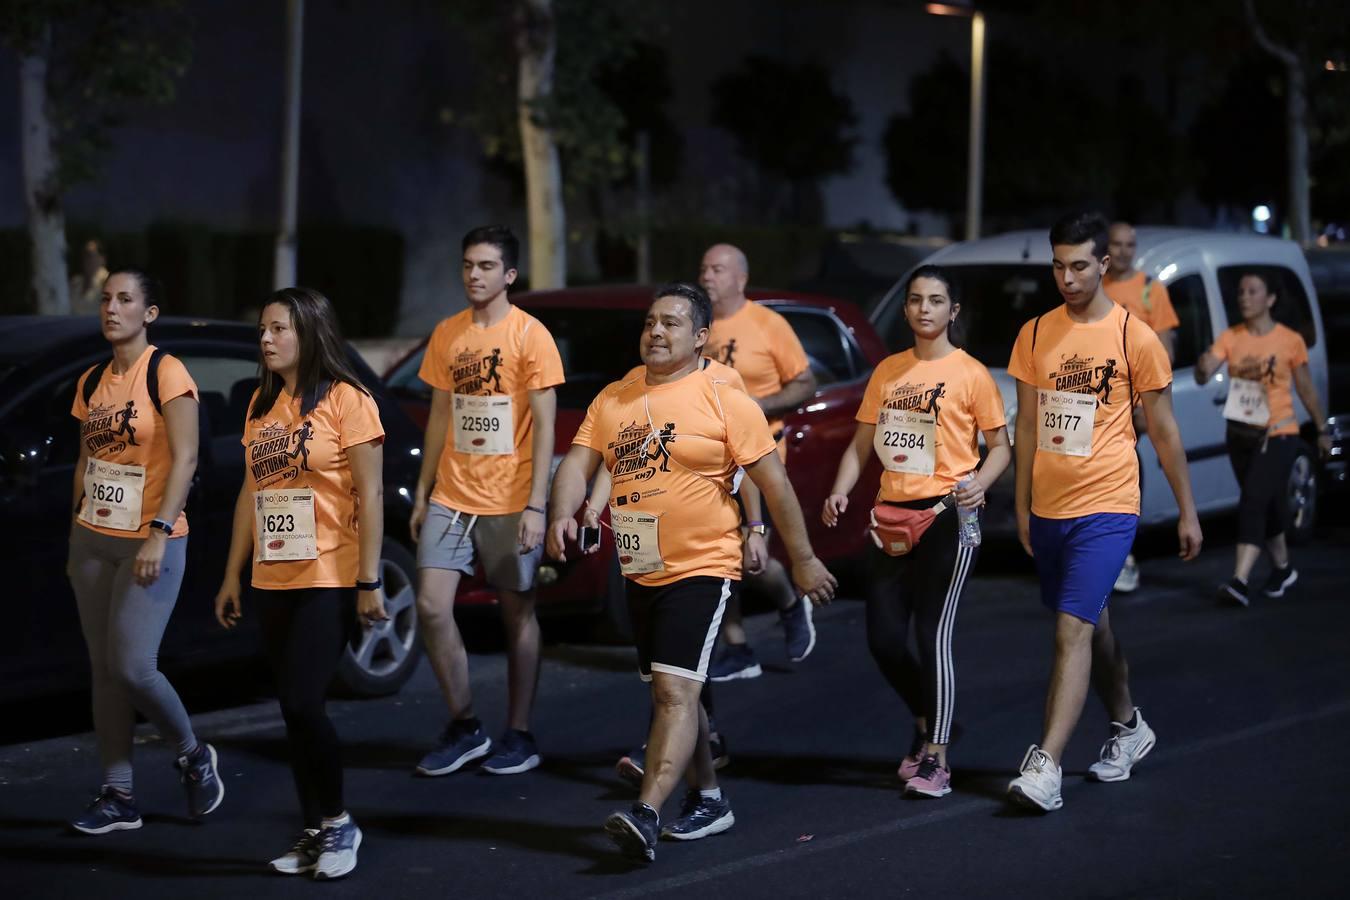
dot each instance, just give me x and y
(948, 9)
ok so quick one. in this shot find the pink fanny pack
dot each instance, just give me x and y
(897, 530)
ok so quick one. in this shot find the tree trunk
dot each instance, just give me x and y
(41, 184)
(284, 260)
(1296, 129)
(536, 45)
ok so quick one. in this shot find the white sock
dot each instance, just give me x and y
(337, 821)
(713, 794)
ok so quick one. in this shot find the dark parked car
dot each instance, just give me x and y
(40, 361)
(597, 330)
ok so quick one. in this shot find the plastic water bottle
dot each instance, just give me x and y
(968, 519)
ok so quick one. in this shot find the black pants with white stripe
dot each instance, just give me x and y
(919, 591)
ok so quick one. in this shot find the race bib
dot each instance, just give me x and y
(1247, 403)
(284, 525)
(483, 425)
(1065, 421)
(635, 539)
(904, 441)
(112, 495)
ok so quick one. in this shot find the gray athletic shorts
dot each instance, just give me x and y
(455, 540)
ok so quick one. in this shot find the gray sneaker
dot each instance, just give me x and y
(337, 850)
(1123, 750)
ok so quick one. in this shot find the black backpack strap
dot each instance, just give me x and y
(92, 379)
(1125, 345)
(152, 378)
(1035, 330)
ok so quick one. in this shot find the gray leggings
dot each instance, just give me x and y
(123, 624)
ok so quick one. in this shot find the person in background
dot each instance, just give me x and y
(86, 285)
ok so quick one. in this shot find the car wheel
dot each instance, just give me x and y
(385, 655)
(1303, 486)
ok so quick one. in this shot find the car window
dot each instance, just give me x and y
(996, 300)
(45, 413)
(826, 344)
(224, 385)
(1195, 333)
(1291, 310)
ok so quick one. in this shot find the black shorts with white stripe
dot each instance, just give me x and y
(675, 625)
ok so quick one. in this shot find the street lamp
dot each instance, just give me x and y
(975, 152)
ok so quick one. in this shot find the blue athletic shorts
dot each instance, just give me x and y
(1079, 559)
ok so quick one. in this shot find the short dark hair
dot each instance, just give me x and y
(151, 288)
(1271, 285)
(1079, 228)
(499, 236)
(700, 307)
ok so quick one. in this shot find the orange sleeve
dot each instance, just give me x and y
(1021, 364)
(986, 401)
(78, 408)
(1149, 366)
(1221, 346)
(748, 434)
(1298, 350)
(435, 369)
(359, 415)
(175, 380)
(1162, 316)
(871, 398)
(735, 380)
(543, 365)
(786, 348)
(585, 435)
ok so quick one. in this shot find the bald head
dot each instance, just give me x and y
(724, 274)
(1120, 245)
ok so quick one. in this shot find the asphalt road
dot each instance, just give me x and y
(1245, 795)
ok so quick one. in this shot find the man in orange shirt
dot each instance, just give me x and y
(677, 530)
(489, 445)
(1146, 299)
(759, 344)
(1079, 369)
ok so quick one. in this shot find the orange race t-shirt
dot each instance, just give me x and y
(1271, 359)
(1077, 358)
(672, 451)
(511, 358)
(285, 449)
(759, 344)
(1153, 305)
(711, 366)
(962, 396)
(119, 424)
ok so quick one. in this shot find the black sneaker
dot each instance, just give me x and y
(516, 752)
(635, 831)
(700, 817)
(201, 780)
(1279, 581)
(799, 629)
(1235, 591)
(736, 661)
(110, 811)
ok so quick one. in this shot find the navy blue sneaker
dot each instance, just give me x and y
(514, 753)
(201, 780)
(337, 850)
(700, 817)
(717, 746)
(735, 661)
(455, 750)
(632, 766)
(110, 811)
(799, 630)
(635, 831)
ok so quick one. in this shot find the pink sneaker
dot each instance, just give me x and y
(933, 779)
(910, 764)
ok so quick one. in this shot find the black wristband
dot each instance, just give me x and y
(166, 527)
(369, 585)
(536, 509)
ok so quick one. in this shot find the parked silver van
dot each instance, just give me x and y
(1005, 280)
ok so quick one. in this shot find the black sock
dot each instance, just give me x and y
(1134, 720)
(466, 726)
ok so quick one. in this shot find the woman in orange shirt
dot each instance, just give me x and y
(311, 517)
(128, 544)
(922, 414)
(1264, 359)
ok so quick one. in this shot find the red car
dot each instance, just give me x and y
(597, 331)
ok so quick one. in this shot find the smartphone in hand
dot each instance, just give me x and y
(589, 538)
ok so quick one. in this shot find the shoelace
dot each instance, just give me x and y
(107, 799)
(1040, 762)
(305, 843)
(928, 767)
(330, 837)
(920, 742)
(1112, 749)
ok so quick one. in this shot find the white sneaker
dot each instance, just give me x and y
(1127, 581)
(1123, 750)
(1038, 785)
(302, 856)
(337, 850)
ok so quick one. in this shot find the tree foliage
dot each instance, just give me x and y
(108, 57)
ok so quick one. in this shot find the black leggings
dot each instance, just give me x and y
(304, 633)
(923, 587)
(1261, 466)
